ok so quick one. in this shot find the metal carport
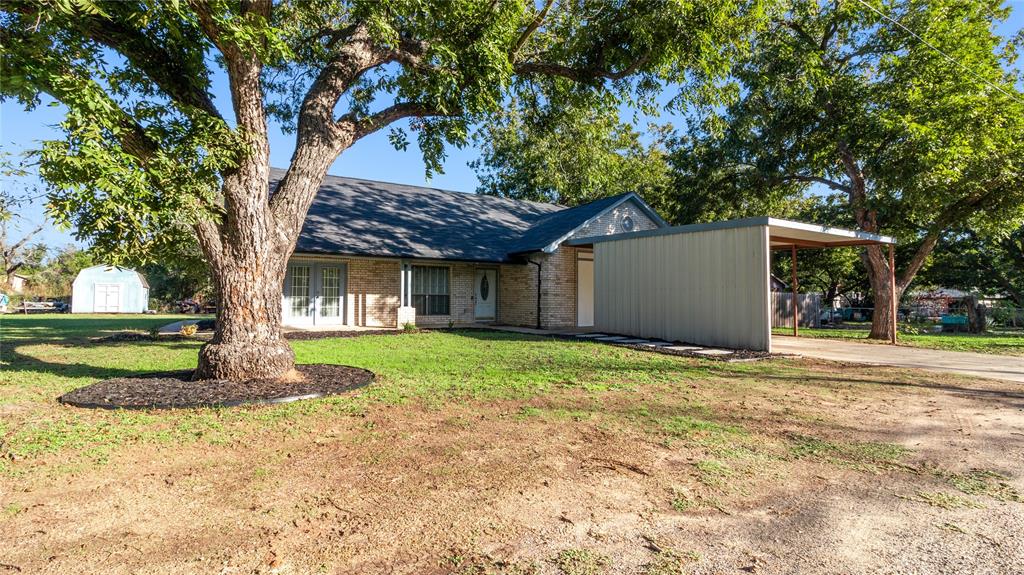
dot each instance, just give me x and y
(706, 284)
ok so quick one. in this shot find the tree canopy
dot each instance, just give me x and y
(146, 145)
(908, 110)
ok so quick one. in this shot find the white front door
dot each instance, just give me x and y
(585, 289)
(486, 293)
(108, 298)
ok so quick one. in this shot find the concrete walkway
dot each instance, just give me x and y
(974, 364)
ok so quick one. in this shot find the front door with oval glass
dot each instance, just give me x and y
(486, 294)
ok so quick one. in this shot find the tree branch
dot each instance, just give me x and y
(355, 57)
(818, 180)
(208, 234)
(798, 29)
(958, 209)
(528, 32)
(581, 75)
(165, 70)
(391, 114)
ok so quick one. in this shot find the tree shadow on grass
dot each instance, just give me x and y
(14, 360)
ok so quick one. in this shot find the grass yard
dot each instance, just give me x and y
(997, 341)
(485, 452)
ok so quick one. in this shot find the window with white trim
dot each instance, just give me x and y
(430, 290)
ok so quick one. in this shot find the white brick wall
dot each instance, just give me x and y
(610, 223)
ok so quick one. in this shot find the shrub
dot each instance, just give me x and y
(188, 330)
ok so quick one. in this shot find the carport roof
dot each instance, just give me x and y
(781, 233)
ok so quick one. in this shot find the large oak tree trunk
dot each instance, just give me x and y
(248, 342)
(248, 254)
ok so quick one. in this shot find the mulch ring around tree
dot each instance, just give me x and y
(177, 389)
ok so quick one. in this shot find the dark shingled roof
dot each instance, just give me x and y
(350, 216)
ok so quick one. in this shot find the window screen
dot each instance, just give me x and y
(430, 294)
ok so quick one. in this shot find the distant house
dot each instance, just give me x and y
(109, 289)
(935, 303)
(17, 283)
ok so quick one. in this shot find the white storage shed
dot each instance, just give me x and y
(109, 289)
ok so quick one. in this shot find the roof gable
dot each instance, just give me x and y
(551, 231)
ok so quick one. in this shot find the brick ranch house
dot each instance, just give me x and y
(380, 254)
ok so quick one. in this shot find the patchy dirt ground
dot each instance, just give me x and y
(833, 469)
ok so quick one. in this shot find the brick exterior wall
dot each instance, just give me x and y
(610, 223)
(558, 289)
(373, 292)
(517, 295)
(518, 302)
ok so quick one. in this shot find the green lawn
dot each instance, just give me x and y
(997, 341)
(45, 356)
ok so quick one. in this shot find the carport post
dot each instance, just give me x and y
(892, 291)
(796, 312)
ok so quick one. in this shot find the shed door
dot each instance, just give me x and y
(585, 289)
(108, 298)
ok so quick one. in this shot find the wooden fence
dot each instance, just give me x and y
(782, 309)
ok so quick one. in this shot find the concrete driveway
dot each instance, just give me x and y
(975, 364)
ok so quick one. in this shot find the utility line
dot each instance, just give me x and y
(946, 56)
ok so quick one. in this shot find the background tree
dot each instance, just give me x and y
(146, 148)
(19, 253)
(19, 256)
(974, 262)
(54, 277)
(908, 110)
(569, 155)
(180, 273)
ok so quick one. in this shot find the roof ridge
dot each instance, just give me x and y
(485, 197)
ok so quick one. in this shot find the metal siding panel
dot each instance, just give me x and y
(708, 287)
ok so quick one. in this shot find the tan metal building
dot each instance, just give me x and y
(706, 284)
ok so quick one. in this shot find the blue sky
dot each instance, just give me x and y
(371, 158)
